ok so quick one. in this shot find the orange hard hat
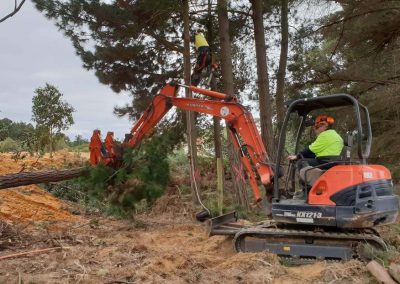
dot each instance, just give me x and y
(324, 119)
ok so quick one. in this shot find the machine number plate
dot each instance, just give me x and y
(305, 214)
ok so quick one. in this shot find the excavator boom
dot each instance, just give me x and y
(240, 122)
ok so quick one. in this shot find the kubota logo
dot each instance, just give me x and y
(224, 111)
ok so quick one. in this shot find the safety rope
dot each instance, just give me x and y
(192, 169)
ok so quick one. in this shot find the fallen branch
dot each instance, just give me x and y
(119, 281)
(27, 253)
(380, 273)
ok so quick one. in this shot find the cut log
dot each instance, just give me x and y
(25, 178)
(380, 273)
(394, 271)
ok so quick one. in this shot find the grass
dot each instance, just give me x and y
(383, 257)
(80, 148)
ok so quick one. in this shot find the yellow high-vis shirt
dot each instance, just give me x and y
(199, 41)
(328, 143)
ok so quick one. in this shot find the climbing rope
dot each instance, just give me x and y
(192, 169)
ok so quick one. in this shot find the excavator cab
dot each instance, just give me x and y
(341, 191)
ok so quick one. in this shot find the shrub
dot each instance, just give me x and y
(9, 145)
(59, 143)
(179, 162)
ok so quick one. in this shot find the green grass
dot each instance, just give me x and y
(80, 148)
(383, 257)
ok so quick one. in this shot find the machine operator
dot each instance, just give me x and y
(327, 144)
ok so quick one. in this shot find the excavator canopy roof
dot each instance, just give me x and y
(306, 105)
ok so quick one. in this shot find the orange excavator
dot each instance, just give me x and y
(243, 130)
(341, 207)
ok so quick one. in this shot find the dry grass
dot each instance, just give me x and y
(164, 246)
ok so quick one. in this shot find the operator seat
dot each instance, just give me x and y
(348, 144)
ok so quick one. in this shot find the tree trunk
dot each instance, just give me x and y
(51, 143)
(226, 56)
(190, 117)
(379, 272)
(267, 133)
(25, 178)
(227, 79)
(280, 80)
(213, 85)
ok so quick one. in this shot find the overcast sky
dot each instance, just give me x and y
(33, 52)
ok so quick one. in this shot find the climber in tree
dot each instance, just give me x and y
(203, 56)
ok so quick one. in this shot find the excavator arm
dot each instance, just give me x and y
(242, 128)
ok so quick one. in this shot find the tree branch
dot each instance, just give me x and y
(165, 42)
(337, 42)
(330, 79)
(16, 9)
(345, 19)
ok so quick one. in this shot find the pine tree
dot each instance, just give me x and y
(133, 46)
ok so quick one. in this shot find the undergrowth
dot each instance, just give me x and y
(383, 257)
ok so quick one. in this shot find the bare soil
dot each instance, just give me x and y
(165, 245)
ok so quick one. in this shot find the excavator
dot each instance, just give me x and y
(342, 206)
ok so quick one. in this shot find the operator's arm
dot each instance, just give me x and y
(310, 152)
(306, 153)
(319, 144)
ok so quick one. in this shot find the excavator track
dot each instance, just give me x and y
(306, 245)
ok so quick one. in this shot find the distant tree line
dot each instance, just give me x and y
(51, 115)
(24, 136)
(17, 131)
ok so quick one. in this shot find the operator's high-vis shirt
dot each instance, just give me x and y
(328, 143)
(200, 40)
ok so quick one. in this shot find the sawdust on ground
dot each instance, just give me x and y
(149, 251)
(31, 203)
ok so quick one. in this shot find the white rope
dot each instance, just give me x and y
(192, 169)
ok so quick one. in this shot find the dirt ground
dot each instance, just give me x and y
(163, 246)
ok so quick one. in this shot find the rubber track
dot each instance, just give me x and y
(264, 233)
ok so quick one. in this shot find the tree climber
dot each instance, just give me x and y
(203, 57)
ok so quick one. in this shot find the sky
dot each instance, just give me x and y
(32, 53)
